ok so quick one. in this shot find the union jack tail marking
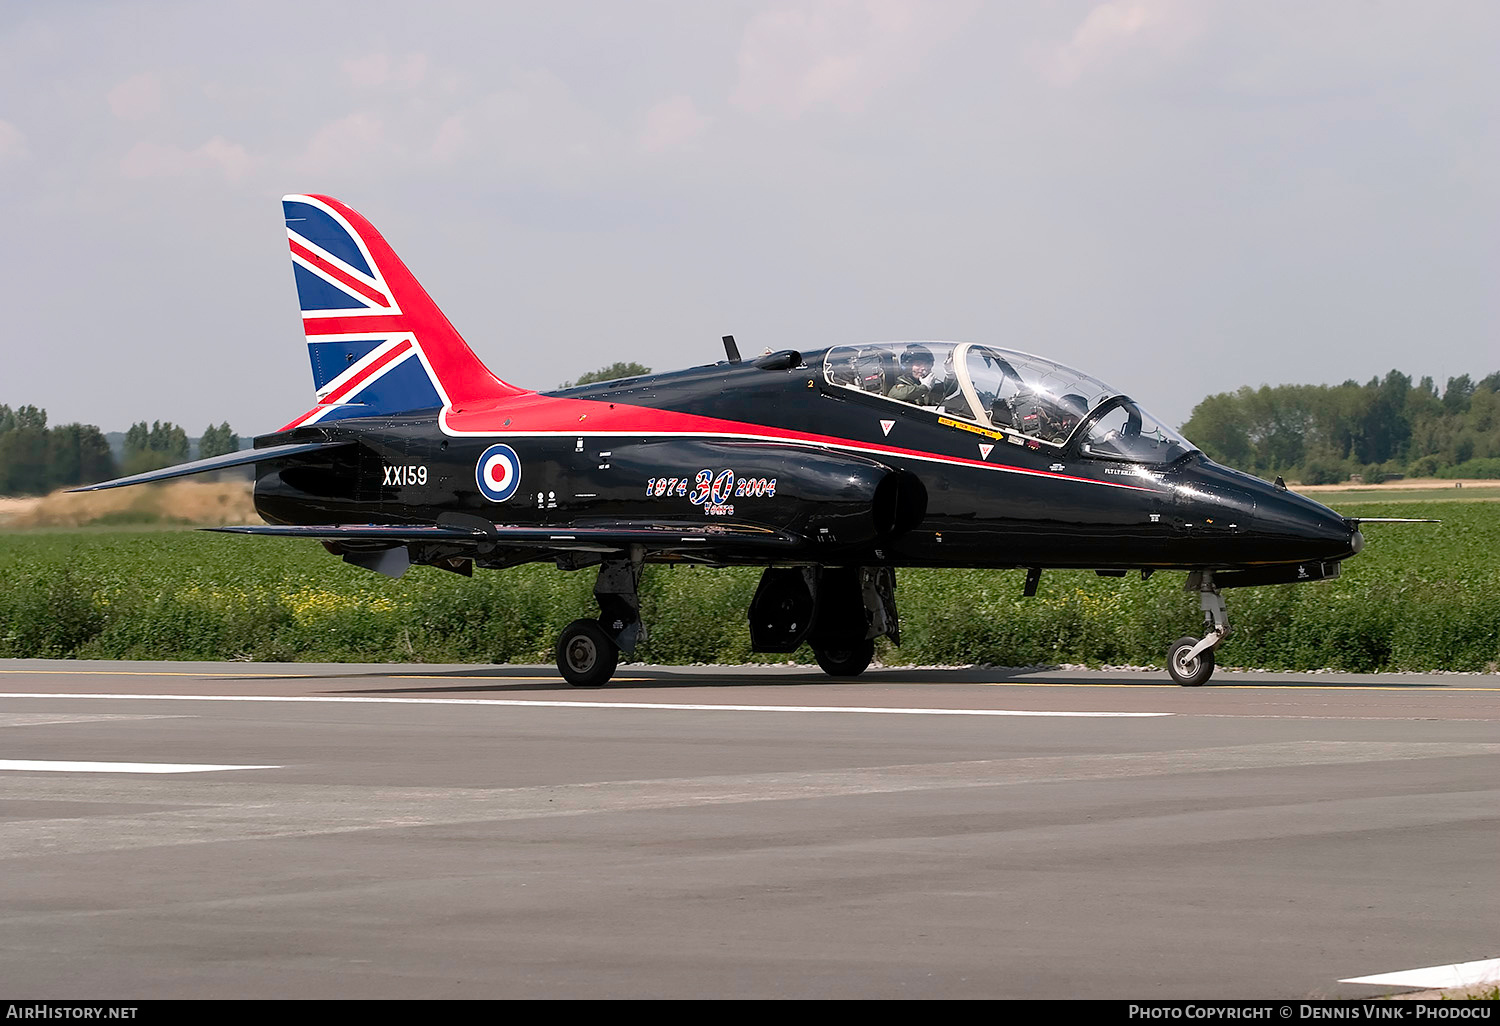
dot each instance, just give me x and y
(377, 342)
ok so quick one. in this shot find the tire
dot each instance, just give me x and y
(1194, 672)
(586, 656)
(846, 662)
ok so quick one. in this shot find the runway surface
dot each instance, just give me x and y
(235, 830)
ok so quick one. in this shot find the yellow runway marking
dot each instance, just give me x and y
(489, 677)
(1135, 686)
(156, 673)
(1017, 683)
(1206, 687)
(297, 676)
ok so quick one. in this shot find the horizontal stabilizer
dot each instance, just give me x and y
(686, 538)
(232, 459)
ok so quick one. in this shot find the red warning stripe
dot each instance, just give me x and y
(394, 353)
(345, 278)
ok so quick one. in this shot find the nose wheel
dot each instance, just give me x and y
(1190, 661)
(1190, 670)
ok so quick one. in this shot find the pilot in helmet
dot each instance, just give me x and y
(1071, 409)
(916, 364)
(1039, 414)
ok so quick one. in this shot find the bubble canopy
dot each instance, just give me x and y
(1011, 391)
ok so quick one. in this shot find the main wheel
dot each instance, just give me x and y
(586, 656)
(1190, 673)
(846, 662)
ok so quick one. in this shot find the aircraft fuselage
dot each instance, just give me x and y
(785, 449)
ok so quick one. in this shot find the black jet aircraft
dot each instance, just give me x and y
(829, 469)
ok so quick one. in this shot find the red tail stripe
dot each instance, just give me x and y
(359, 324)
(373, 295)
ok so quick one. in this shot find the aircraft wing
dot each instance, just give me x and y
(232, 459)
(685, 538)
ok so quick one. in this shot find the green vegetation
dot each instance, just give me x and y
(160, 445)
(1420, 597)
(35, 459)
(1321, 434)
(217, 441)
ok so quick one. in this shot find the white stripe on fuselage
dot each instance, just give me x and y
(839, 446)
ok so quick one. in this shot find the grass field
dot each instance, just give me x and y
(1420, 597)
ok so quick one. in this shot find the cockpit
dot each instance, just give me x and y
(1009, 391)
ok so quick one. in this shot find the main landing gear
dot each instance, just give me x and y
(586, 655)
(849, 661)
(589, 650)
(1190, 661)
(839, 611)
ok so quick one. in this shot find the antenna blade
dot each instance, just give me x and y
(731, 350)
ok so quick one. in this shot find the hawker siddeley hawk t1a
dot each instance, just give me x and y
(829, 469)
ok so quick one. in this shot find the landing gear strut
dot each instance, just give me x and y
(589, 650)
(838, 611)
(1190, 661)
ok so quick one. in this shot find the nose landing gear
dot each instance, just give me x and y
(1190, 661)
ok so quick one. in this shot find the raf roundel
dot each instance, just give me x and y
(498, 473)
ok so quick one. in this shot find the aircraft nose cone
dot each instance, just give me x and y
(1276, 525)
(1314, 529)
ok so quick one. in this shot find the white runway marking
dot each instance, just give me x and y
(50, 766)
(52, 719)
(597, 705)
(1439, 977)
(264, 808)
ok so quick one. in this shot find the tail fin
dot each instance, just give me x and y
(377, 341)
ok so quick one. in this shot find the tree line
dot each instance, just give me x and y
(1323, 434)
(164, 444)
(35, 459)
(621, 369)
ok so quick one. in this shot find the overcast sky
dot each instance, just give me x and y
(1178, 197)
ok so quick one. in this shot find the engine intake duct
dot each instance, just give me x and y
(900, 503)
(874, 504)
